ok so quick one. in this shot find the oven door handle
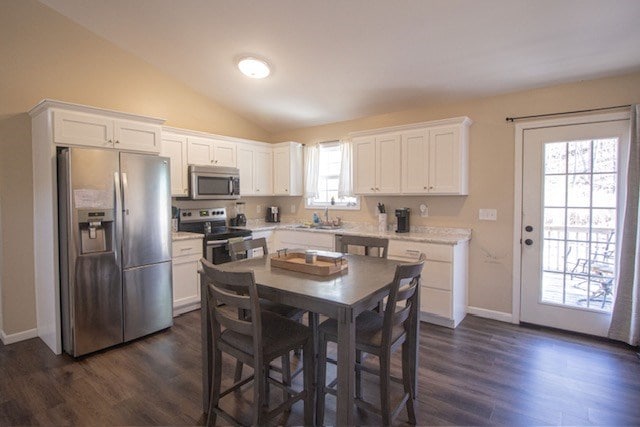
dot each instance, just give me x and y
(217, 242)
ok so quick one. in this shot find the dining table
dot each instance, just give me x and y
(341, 296)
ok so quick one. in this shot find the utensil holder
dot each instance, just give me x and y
(382, 223)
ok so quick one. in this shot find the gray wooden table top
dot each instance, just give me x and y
(365, 278)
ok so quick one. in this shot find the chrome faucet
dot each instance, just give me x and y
(326, 215)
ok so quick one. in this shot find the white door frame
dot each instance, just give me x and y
(517, 199)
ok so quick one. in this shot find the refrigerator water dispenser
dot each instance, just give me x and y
(95, 231)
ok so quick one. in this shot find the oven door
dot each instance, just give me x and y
(217, 251)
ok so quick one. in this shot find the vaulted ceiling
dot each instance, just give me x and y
(337, 60)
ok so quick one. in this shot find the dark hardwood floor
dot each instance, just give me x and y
(482, 373)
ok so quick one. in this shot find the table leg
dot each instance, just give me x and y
(346, 363)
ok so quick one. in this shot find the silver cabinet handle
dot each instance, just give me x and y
(117, 141)
(373, 189)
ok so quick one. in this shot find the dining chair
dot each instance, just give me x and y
(380, 334)
(255, 340)
(368, 243)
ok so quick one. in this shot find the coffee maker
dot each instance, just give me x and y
(403, 220)
(241, 218)
(273, 214)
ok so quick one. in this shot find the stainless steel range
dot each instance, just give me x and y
(212, 222)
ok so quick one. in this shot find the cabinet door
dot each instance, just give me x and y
(415, 162)
(445, 161)
(281, 171)
(224, 153)
(245, 161)
(199, 151)
(364, 165)
(175, 147)
(263, 172)
(136, 136)
(186, 286)
(70, 128)
(388, 164)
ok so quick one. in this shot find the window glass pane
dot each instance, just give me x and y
(604, 190)
(579, 156)
(604, 218)
(578, 218)
(579, 190)
(605, 155)
(554, 188)
(555, 157)
(554, 223)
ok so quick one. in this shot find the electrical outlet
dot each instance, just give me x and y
(259, 209)
(293, 209)
(488, 214)
(424, 211)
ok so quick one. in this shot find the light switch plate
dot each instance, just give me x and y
(293, 209)
(259, 209)
(488, 214)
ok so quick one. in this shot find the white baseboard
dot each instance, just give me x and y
(18, 336)
(490, 314)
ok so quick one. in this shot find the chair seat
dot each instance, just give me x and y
(368, 330)
(282, 309)
(278, 335)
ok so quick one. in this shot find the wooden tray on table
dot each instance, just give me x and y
(326, 264)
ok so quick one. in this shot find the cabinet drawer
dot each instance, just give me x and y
(437, 274)
(187, 247)
(411, 250)
(302, 239)
(435, 301)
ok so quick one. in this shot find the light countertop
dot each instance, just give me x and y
(184, 235)
(441, 235)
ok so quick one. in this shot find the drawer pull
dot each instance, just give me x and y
(413, 252)
(185, 249)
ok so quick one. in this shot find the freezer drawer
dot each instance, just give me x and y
(147, 300)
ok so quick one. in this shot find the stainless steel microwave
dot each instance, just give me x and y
(213, 182)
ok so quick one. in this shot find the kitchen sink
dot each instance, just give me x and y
(319, 227)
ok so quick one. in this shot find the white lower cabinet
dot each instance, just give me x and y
(293, 239)
(443, 291)
(186, 282)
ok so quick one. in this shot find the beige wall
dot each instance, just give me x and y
(45, 55)
(491, 172)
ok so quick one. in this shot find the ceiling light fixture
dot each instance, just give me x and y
(254, 68)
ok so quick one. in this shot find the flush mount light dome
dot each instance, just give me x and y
(254, 68)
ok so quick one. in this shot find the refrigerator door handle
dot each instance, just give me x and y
(118, 212)
(125, 210)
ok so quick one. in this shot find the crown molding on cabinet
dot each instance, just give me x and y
(52, 103)
(463, 120)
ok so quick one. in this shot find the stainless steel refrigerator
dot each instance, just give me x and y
(115, 247)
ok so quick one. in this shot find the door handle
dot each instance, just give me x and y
(528, 242)
(125, 186)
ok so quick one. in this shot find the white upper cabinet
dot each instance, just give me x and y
(95, 130)
(376, 164)
(422, 158)
(205, 151)
(175, 147)
(415, 161)
(263, 171)
(448, 161)
(255, 162)
(287, 169)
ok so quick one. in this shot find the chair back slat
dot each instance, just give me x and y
(404, 288)
(238, 291)
(238, 250)
(368, 243)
